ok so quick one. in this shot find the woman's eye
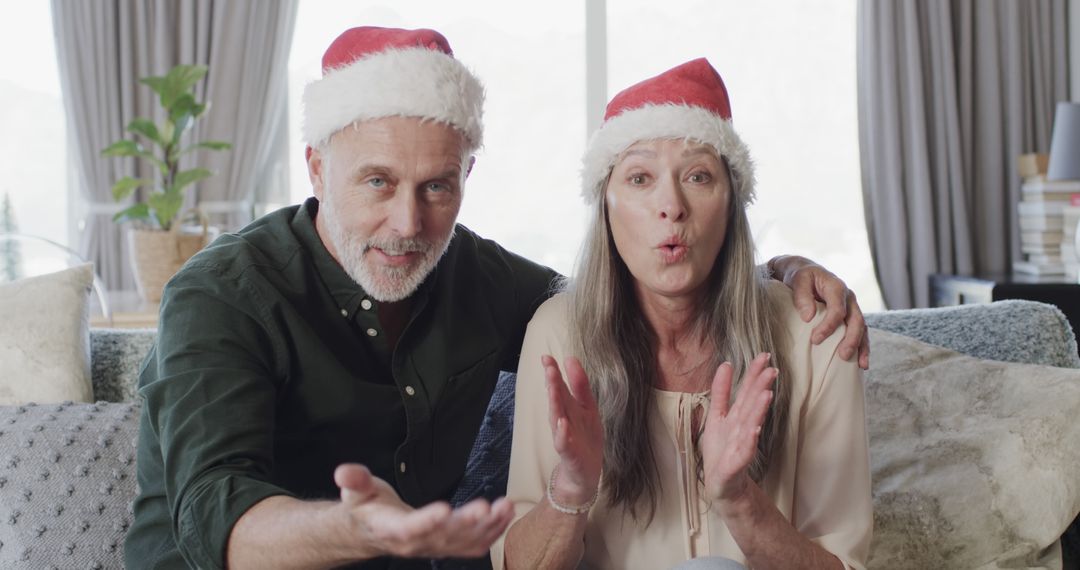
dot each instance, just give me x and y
(637, 179)
(700, 178)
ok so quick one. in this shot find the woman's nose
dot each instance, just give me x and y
(672, 202)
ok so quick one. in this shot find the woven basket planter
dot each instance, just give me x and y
(157, 255)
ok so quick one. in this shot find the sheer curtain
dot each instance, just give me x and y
(248, 87)
(105, 46)
(950, 93)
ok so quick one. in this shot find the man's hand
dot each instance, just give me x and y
(810, 283)
(379, 517)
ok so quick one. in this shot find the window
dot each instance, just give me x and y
(34, 169)
(789, 68)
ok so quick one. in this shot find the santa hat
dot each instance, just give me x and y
(369, 73)
(686, 102)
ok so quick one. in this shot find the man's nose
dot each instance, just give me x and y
(405, 219)
(671, 201)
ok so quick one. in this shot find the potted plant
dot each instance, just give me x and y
(158, 246)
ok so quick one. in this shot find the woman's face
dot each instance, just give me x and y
(667, 204)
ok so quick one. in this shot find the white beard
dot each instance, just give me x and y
(382, 283)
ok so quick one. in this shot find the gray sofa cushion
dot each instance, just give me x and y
(1011, 331)
(116, 356)
(67, 478)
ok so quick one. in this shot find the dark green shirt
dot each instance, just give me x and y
(271, 369)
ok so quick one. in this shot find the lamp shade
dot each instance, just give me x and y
(1065, 143)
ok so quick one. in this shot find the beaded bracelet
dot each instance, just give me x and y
(577, 510)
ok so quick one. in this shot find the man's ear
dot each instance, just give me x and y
(472, 162)
(315, 171)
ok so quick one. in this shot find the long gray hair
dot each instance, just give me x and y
(617, 347)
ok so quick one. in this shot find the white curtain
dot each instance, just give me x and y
(105, 46)
(950, 93)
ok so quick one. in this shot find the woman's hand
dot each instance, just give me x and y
(729, 441)
(576, 430)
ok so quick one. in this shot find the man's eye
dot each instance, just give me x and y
(376, 182)
(437, 187)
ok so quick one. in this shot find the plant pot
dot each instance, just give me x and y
(156, 255)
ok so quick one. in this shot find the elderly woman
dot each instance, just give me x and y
(692, 416)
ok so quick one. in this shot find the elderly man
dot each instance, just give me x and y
(320, 376)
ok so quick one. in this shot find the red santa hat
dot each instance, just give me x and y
(686, 102)
(370, 72)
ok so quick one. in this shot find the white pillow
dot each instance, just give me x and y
(45, 338)
(975, 463)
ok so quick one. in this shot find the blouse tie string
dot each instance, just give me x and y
(686, 438)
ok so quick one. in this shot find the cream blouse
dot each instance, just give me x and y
(819, 480)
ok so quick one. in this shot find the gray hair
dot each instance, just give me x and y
(617, 349)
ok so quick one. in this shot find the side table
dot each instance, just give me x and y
(947, 290)
(129, 311)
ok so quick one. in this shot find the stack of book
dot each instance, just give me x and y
(1048, 213)
(1069, 255)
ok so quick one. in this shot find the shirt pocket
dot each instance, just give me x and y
(461, 408)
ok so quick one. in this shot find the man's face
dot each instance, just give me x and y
(389, 193)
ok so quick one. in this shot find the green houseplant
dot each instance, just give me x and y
(158, 246)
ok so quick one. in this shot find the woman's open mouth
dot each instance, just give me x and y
(673, 250)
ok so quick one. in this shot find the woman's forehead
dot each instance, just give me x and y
(654, 147)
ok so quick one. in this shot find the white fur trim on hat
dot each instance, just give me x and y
(415, 82)
(668, 121)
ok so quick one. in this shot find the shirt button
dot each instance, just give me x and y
(372, 332)
(365, 304)
(345, 313)
(402, 466)
(410, 390)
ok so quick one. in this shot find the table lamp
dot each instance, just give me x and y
(1065, 149)
(1065, 143)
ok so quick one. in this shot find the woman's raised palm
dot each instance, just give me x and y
(576, 430)
(730, 436)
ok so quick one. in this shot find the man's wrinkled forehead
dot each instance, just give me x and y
(392, 142)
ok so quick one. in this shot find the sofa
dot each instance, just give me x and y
(67, 471)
